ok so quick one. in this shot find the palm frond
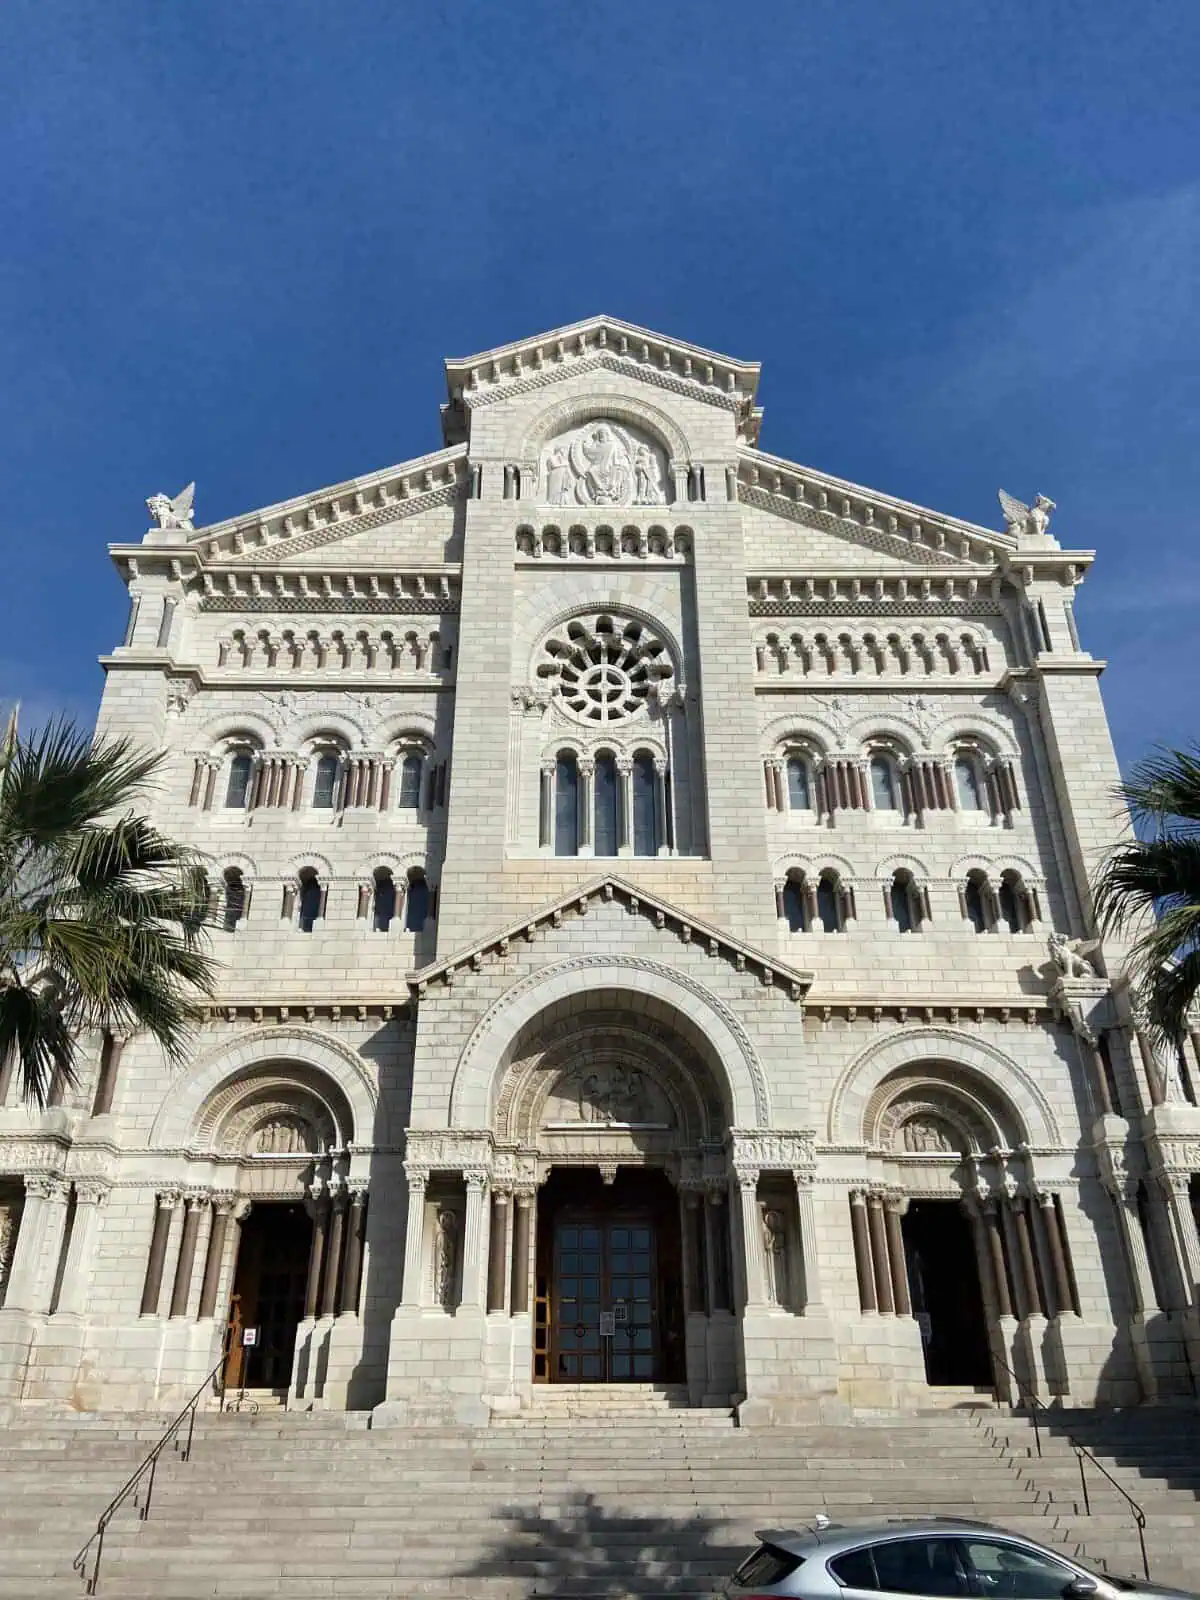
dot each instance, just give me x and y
(59, 781)
(1165, 784)
(34, 1030)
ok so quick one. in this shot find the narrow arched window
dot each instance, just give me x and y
(237, 791)
(416, 903)
(566, 805)
(325, 783)
(645, 807)
(966, 781)
(902, 902)
(409, 795)
(799, 790)
(312, 899)
(883, 784)
(794, 909)
(385, 900)
(606, 806)
(1014, 903)
(828, 908)
(974, 903)
(235, 899)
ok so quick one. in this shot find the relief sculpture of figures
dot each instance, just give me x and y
(775, 1256)
(177, 513)
(1022, 519)
(614, 1094)
(602, 464)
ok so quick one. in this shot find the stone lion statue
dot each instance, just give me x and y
(1072, 957)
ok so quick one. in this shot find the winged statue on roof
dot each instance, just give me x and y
(176, 513)
(1022, 519)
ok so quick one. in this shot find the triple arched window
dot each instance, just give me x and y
(329, 778)
(603, 805)
(892, 782)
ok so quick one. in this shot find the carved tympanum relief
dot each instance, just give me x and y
(608, 1093)
(603, 463)
(283, 1136)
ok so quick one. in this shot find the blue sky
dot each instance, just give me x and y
(238, 240)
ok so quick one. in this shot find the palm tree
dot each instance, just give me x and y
(1157, 875)
(101, 917)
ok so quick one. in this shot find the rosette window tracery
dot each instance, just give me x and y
(605, 668)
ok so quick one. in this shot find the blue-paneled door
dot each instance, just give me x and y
(604, 1316)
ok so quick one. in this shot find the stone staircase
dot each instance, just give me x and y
(625, 1493)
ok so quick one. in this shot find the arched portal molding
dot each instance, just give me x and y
(942, 1054)
(619, 408)
(270, 1050)
(485, 1059)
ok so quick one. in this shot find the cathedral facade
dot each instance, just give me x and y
(651, 886)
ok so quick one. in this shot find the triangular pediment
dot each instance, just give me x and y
(603, 344)
(677, 926)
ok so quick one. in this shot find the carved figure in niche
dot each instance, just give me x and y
(925, 1136)
(177, 513)
(603, 468)
(558, 477)
(1022, 519)
(445, 1257)
(8, 1242)
(775, 1256)
(1072, 957)
(647, 480)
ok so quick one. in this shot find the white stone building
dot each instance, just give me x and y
(634, 861)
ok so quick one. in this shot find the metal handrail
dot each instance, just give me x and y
(1026, 1395)
(132, 1483)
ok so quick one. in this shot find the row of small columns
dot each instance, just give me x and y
(586, 768)
(46, 1216)
(881, 1264)
(926, 784)
(335, 1258)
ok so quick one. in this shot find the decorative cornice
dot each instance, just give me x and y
(893, 593)
(771, 970)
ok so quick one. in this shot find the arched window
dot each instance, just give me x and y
(408, 797)
(235, 899)
(975, 901)
(312, 899)
(566, 805)
(967, 783)
(903, 902)
(385, 900)
(605, 782)
(416, 902)
(829, 909)
(883, 784)
(645, 807)
(237, 791)
(798, 786)
(325, 783)
(795, 910)
(1016, 910)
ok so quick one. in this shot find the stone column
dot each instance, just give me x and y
(187, 1255)
(1175, 1188)
(546, 805)
(1124, 1193)
(862, 1250)
(318, 1209)
(624, 805)
(77, 1274)
(215, 1255)
(1058, 1255)
(106, 1082)
(331, 1277)
(995, 1246)
(694, 1274)
(894, 1208)
(753, 1270)
(522, 1235)
(475, 1240)
(498, 1266)
(879, 1255)
(1033, 1295)
(152, 1288)
(660, 806)
(587, 805)
(716, 1235)
(356, 1228)
(414, 1238)
(806, 1212)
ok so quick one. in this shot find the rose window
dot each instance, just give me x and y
(604, 668)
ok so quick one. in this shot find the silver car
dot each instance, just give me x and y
(928, 1558)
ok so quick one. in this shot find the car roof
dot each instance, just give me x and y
(836, 1536)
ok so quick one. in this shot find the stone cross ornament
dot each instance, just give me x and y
(177, 513)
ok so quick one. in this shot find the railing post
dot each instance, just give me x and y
(1087, 1503)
